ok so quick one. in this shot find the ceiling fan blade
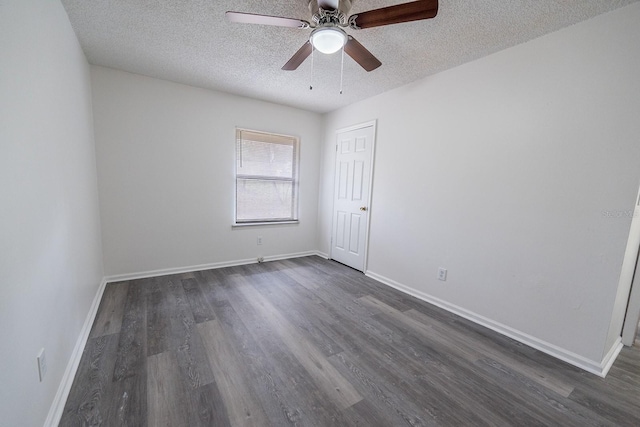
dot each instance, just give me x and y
(361, 55)
(405, 12)
(298, 57)
(252, 18)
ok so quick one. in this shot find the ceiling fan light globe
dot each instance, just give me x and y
(328, 40)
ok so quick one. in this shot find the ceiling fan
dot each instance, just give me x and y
(328, 19)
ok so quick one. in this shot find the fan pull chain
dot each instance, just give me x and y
(311, 83)
(341, 69)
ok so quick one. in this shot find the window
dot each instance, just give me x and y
(266, 177)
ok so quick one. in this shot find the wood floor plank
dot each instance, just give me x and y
(109, 317)
(383, 351)
(208, 407)
(130, 370)
(301, 393)
(318, 278)
(389, 351)
(470, 352)
(200, 308)
(279, 293)
(149, 285)
(184, 339)
(471, 349)
(414, 358)
(356, 283)
(482, 350)
(213, 286)
(171, 327)
(331, 296)
(243, 408)
(174, 402)
(359, 332)
(285, 393)
(165, 393)
(157, 322)
(280, 406)
(607, 406)
(128, 402)
(382, 394)
(328, 379)
(365, 414)
(528, 378)
(85, 404)
(130, 357)
(565, 412)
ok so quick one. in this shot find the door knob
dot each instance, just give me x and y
(363, 208)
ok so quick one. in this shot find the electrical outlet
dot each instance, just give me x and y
(42, 364)
(442, 274)
(259, 240)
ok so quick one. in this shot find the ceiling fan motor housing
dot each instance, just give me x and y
(344, 6)
(327, 18)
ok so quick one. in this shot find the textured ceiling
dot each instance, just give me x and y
(191, 42)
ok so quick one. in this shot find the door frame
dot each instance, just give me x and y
(373, 123)
(632, 315)
(630, 279)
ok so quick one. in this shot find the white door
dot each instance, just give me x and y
(354, 152)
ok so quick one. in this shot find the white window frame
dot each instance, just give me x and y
(295, 180)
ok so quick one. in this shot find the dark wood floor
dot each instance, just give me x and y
(313, 343)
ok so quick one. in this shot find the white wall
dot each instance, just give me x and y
(166, 156)
(501, 171)
(50, 249)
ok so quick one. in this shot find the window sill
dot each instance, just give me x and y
(251, 224)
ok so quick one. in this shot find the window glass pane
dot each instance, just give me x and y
(265, 159)
(266, 177)
(264, 200)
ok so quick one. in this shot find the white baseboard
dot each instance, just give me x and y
(60, 399)
(290, 256)
(599, 368)
(611, 357)
(200, 267)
